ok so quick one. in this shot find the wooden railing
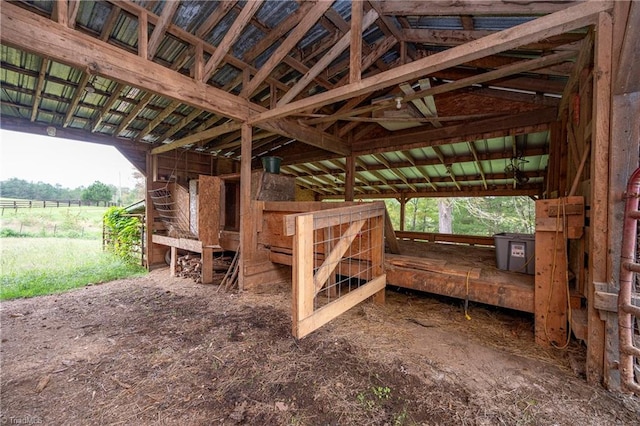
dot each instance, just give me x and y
(28, 204)
(338, 262)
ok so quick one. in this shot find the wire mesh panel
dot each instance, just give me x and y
(174, 219)
(337, 262)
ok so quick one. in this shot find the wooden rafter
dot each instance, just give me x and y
(25, 30)
(419, 168)
(324, 62)
(221, 11)
(79, 92)
(230, 37)
(198, 137)
(381, 158)
(168, 10)
(142, 103)
(44, 65)
(420, 105)
(557, 23)
(110, 22)
(292, 39)
(280, 31)
(158, 119)
(115, 95)
(474, 152)
(447, 166)
(74, 7)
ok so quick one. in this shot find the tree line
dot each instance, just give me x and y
(97, 191)
(469, 216)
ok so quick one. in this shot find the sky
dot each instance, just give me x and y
(71, 164)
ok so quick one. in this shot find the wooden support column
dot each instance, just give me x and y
(149, 214)
(350, 175)
(599, 368)
(377, 254)
(557, 220)
(247, 236)
(143, 35)
(174, 261)
(207, 265)
(403, 210)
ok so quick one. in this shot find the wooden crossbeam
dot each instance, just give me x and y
(507, 70)
(290, 42)
(557, 23)
(250, 8)
(198, 137)
(416, 138)
(397, 172)
(456, 37)
(324, 62)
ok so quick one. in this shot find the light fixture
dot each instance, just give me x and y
(89, 88)
(399, 102)
(51, 131)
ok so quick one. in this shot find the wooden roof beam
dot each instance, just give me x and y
(37, 96)
(290, 42)
(501, 72)
(393, 170)
(168, 10)
(33, 33)
(424, 174)
(198, 137)
(324, 62)
(115, 95)
(472, 7)
(221, 11)
(158, 119)
(557, 23)
(474, 152)
(355, 51)
(280, 31)
(77, 95)
(142, 103)
(249, 9)
(481, 129)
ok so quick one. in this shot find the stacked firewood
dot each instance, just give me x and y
(189, 266)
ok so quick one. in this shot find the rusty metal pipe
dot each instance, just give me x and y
(627, 254)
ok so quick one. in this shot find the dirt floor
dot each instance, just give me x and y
(157, 350)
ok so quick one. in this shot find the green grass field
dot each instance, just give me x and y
(62, 222)
(36, 266)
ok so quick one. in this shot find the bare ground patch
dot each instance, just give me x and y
(168, 351)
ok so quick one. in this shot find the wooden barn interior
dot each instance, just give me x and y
(354, 102)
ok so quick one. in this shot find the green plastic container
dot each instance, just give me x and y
(271, 164)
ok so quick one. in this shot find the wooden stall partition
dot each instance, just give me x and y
(557, 220)
(359, 235)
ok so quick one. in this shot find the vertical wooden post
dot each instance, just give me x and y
(207, 265)
(174, 261)
(350, 177)
(355, 52)
(377, 253)
(550, 292)
(303, 290)
(403, 210)
(246, 217)
(143, 35)
(150, 210)
(598, 237)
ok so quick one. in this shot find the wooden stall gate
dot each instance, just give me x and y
(338, 258)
